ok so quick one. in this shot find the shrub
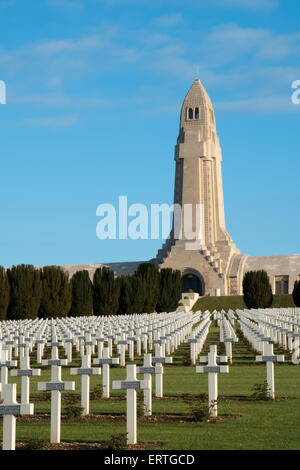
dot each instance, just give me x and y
(4, 293)
(97, 393)
(140, 407)
(199, 406)
(82, 295)
(261, 391)
(187, 360)
(25, 292)
(117, 442)
(296, 293)
(36, 444)
(191, 291)
(257, 290)
(72, 410)
(186, 297)
(106, 291)
(57, 293)
(150, 276)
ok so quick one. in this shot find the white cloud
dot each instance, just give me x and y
(260, 105)
(69, 4)
(167, 21)
(250, 4)
(53, 122)
(230, 42)
(69, 45)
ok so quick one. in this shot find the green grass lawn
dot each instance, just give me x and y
(245, 424)
(234, 302)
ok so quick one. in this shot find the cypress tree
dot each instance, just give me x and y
(169, 290)
(56, 293)
(176, 289)
(138, 294)
(150, 275)
(25, 292)
(257, 290)
(4, 293)
(296, 293)
(82, 295)
(165, 302)
(125, 296)
(105, 292)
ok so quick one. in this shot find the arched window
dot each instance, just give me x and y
(197, 113)
(191, 114)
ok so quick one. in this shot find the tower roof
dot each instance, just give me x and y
(197, 112)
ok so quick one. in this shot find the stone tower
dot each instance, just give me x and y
(204, 250)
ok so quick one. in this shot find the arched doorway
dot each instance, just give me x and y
(192, 282)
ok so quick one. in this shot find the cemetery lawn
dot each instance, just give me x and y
(237, 302)
(243, 424)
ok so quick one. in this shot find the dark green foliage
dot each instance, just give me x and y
(106, 291)
(140, 407)
(257, 290)
(169, 290)
(200, 410)
(150, 275)
(138, 294)
(97, 393)
(187, 359)
(82, 295)
(25, 292)
(261, 392)
(125, 297)
(132, 295)
(296, 293)
(176, 288)
(117, 442)
(72, 409)
(4, 293)
(36, 444)
(57, 293)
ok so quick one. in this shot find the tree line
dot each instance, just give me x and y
(27, 292)
(257, 290)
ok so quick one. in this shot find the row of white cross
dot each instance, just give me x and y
(65, 334)
(56, 385)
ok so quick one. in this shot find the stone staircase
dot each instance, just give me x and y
(211, 255)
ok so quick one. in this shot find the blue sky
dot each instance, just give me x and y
(94, 90)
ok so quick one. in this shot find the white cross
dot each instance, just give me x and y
(269, 357)
(22, 347)
(147, 369)
(131, 384)
(295, 355)
(159, 377)
(212, 369)
(100, 342)
(131, 340)
(56, 385)
(106, 361)
(85, 371)
(54, 361)
(9, 409)
(25, 372)
(4, 364)
(40, 349)
(122, 343)
(68, 344)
